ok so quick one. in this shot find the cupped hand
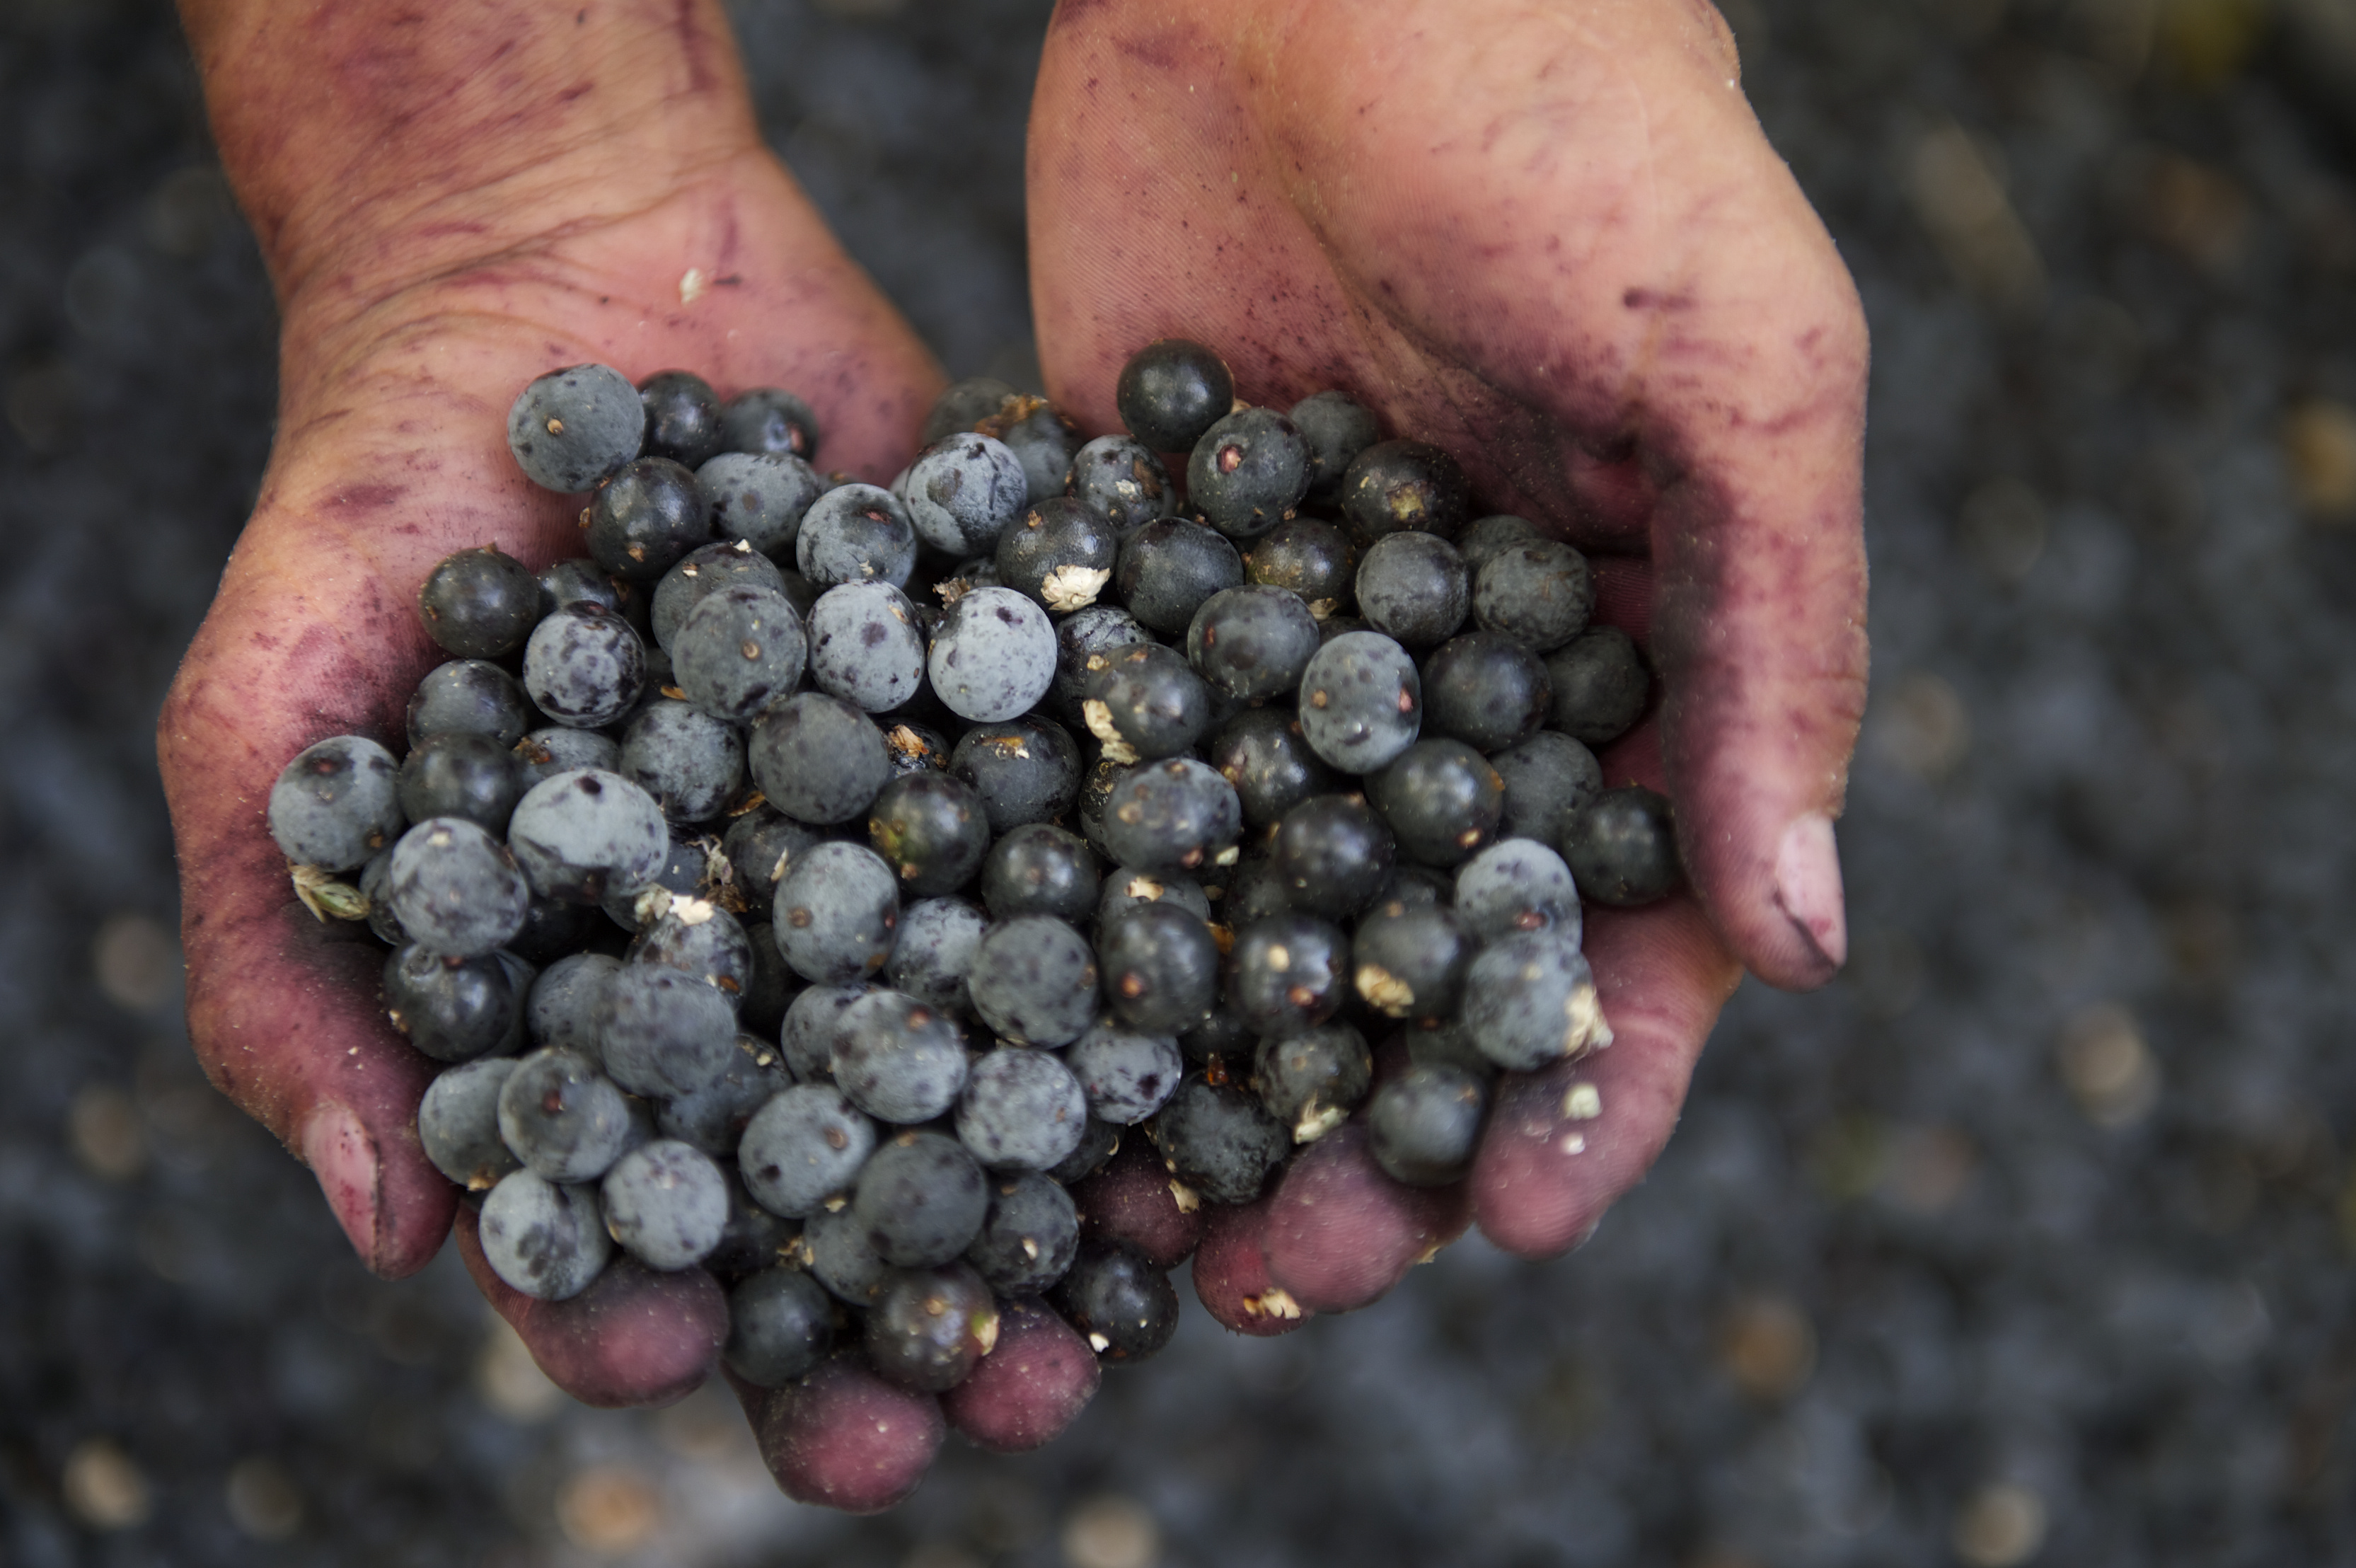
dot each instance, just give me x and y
(1548, 236)
(442, 228)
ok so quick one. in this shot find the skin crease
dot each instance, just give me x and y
(1574, 262)
(1551, 238)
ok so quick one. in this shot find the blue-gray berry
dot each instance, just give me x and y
(337, 804)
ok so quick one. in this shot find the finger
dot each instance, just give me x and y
(1033, 1383)
(843, 1438)
(634, 1338)
(1339, 1233)
(284, 1013)
(1231, 1274)
(1134, 1199)
(1564, 1144)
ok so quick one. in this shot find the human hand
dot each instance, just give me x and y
(449, 208)
(1550, 238)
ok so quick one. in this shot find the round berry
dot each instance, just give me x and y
(856, 533)
(817, 759)
(683, 417)
(1442, 800)
(1601, 685)
(1160, 968)
(1310, 1081)
(585, 667)
(1034, 980)
(1119, 480)
(899, 1059)
(739, 652)
(920, 1201)
(1412, 587)
(770, 420)
(1252, 642)
(1311, 558)
(479, 604)
(1172, 392)
(545, 1239)
(1144, 703)
(1038, 868)
(666, 1203)
(1549, 777)
(1172, 815)
(1021, 1109)
(1623, 848)
(1337, 430)
(928, 1327)
(1122, 1305)
(1486, 689)
(1540, 594)
(865, 647)
(780, 1326)
(1287, 973)
(1361, 702)
(1424, 1125)
(1217, 1138)
(647, 517)
(1025, 771)
(1263, 754)
(1516, 885)
(1410, 961)
(760, 499)
(1029, 1232)
(1168, 568)
(962, 492)
(1059, 554)
(994, 657)
(1248, 472)
(1394, 485)
(584, 833)
(1530, 999)
(469, 697)
(337, 804)
(837, 914)
(570, 428)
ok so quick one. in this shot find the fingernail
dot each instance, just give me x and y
(1808, 886)
(343, 1156)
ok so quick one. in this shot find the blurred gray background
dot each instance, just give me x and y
(2028, 1240)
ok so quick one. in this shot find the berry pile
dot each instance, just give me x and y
(891, 900)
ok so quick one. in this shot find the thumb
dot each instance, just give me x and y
(1759, 625)
(282, 1009)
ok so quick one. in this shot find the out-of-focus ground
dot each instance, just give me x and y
(2028, 1240)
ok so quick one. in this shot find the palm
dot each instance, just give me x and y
(391, 455)
(1552, 239)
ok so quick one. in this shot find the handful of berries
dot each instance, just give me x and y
(933, 907)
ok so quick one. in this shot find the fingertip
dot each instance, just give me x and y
(1563, 1143)
(393, 1205)
(1231, 1274)
(1033, 1383)
(1808, 892)
(634, 1338)
(1339, 1233)
(843, 1438)
(342, 1156)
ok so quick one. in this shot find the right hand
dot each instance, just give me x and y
(439, 234)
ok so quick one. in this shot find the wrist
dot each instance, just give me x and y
(373, 152)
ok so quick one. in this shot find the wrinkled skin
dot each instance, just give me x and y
(1549, 237)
